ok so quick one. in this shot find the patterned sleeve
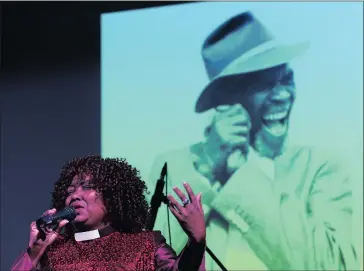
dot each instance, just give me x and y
(190, 259)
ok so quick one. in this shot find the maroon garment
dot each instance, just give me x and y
(117, 252)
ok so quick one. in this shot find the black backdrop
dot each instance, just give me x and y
(50, 103)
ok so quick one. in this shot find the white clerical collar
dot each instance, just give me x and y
(94, 234)
(87, 235)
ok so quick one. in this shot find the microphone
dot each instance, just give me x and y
(158, 197)
(68, 213)
(164, 170)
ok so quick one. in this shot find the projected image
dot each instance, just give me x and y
(256, 105)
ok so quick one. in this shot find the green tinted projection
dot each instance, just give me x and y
(278, 151)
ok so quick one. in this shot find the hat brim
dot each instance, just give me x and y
(268, 59)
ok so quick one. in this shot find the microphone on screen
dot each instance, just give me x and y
(68, 213)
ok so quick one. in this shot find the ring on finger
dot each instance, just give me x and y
(185, 202)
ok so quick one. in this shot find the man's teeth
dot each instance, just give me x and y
(275, 116)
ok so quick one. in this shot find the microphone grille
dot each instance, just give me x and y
(72, 213)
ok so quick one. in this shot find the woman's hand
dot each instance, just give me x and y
(189, 214)
(37, 244)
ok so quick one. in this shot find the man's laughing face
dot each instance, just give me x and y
(268, 96)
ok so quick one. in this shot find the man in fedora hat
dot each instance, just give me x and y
(268, 205)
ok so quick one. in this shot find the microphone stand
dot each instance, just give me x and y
(156, 201)
(157, 198)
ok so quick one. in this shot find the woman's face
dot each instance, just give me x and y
(89, 204)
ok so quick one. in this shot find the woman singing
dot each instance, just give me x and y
(109, 231)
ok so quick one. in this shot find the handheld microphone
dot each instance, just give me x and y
(68, 213)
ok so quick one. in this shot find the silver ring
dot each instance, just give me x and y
(185, 201)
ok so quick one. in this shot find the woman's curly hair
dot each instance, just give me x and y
(120, 184)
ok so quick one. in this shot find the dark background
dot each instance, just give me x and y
(50, 103)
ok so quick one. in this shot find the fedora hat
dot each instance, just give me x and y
(240, 45)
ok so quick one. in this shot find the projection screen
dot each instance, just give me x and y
(275, 140)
